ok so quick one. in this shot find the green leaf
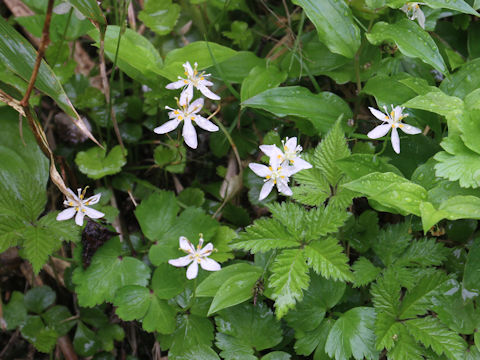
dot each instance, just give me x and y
(277, 355)
(264, 235)
(156, 214)
(469, 126)
(458, 5)
(238, 289)
(411, 40)
(233, 348)
(391, 242)
(259, 79)
(322, 295)
(352, 335)
(137, 56)
(253, 326)
(419, 299)
(406, 348)
(437, 102)
(463, 81)
(192, 197)
(240, 34)
(19, 56)
(288, 280)
(389, 90)
(431, 332)
(422, 253)
(42, 337)
(90, 9)
(358, 165)
(335, 25)
(200, 351)
(39, 298)
(168, 281)
(458, 162)
(215, 280)
(204, 53)
(160, 16)
(56, 318)
(308, 341)
(85, 341)
(95, 163)
(139, 303)
(390, 190)
(386, 293)
(322, 221)
(313, 187)
(108, 334)
(236, 68)
(14, 313)
(471, 274)
(322, 110)
(364, 272)
(108, 272)
(326, 257)
(332, 148)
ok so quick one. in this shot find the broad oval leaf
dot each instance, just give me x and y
(335, 25)
(322, 110)
(96, 163)
(411, 40)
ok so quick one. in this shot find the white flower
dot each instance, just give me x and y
(195, 256)
(194, 79)
(65, 7)
(275, 174)
(77, 204)
(290, 156)
(413, 11)
(187, 113)
(393, 121)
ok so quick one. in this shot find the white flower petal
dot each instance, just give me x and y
(167, 127)
(186, 245)
(209, 264)
(192, 270)
(420, 18)
(73, 195)
(206, 92)
(186, 95)
(282, 186)
(181, 261)
(207, 250)
(395, 141)
(189, 134)
(176, 84)
(291, 144)
(92, 200)
(260, 169)
(409, 129)
(379, 131)
(79, 218)
(195, 106)
(272, 151)
(188, 68)
(266, 189)
(205, 124)
(66, 214)
(299, 164)
(397, 112)
(92, 213)
(205, 82)
(379, 115)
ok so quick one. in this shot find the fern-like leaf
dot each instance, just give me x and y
(289, 278)
(313, 187)
(322, 221)
(431, 332)
(364, 272)
(406, 348)
(326, 257)
(422, 253)
(265, 235)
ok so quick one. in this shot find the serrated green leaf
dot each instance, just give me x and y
(108, 272)
(14, 313)
(291, 216)
(322, 221)
(201, 352)
(471, 274)
(458, 163)
(335, 25)
(156, 214)
(352, 335)
(307, 342)
(411, 40)
(386, 330)
(358, 165)
(391, 242)
(326, 257)
(322, 110)
(419, 299)
(364, 272)
(386, 293)
(233, 348)
(332, 148)
(264, 235)
(313, 187)
(423, 253)
(288, 280)
(254, 326)
(406, 348)
(431, 332)
(96, 163)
